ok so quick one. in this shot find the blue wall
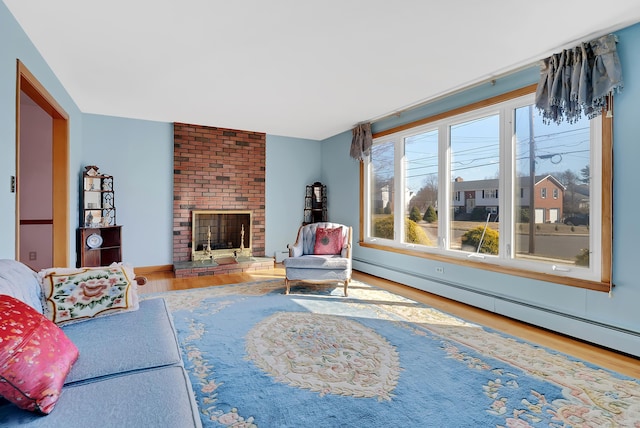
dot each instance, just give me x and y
(139, 155)
(612, 321)
(292, 163)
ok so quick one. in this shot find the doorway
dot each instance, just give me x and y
(42, 171)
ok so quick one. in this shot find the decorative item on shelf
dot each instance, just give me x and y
(91, 170)
(94, 240)
(107, 183)
(315, 203)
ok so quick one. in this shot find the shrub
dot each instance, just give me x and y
(415, 215)
(524, 215)
(430, 215)
(387, 209)
(490, 241)
(383, 228)
(582, 259)
(415, 234)
(479, 214)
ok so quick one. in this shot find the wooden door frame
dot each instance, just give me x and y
(27, 83)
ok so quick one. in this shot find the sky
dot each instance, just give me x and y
(475, 149)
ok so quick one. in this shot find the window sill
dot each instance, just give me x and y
(556, 279)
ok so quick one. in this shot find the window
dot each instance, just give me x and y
(381, 195)
(466, 189)
(490, 194)
(421, 184)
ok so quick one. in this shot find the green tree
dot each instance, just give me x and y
(571, 198)
(585, 173)
(430, 215)
(415, 215)
(427, 194)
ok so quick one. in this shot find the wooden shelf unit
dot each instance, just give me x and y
(109, 252)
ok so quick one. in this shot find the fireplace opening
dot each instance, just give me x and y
(220, 233)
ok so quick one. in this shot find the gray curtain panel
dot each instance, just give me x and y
(361, 141)
(578, 81)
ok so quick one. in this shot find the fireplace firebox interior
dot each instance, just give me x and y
(220, 234)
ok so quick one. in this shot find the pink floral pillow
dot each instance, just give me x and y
(72, 295)
(35, 357)
(328, 241)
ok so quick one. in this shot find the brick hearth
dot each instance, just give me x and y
(191, 269)
(217, 169)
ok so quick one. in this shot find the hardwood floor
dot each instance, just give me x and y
(621, 363)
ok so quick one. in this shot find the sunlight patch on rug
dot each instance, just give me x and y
(325, 354)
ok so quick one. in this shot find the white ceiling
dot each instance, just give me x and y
(297, 68)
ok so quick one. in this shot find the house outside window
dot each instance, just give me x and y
(503, 152)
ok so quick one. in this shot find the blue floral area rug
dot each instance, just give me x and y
(259, 358)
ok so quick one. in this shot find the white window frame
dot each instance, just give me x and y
(507, 195)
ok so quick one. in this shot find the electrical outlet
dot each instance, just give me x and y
(33, 255)
(439, 269)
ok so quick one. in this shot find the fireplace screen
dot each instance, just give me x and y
(220, 234)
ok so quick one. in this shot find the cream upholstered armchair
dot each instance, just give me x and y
(321, 254)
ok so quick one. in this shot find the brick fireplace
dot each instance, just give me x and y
(217, 169)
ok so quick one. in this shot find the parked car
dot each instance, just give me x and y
(577, 220)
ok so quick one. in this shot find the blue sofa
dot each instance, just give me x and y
(129, 372)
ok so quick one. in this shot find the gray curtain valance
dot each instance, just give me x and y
(361, 141)
(578, 81)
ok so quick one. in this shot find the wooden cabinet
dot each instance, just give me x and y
(315, 203)
(99, 239)
(99, 246)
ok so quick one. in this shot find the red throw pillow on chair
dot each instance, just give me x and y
(35, 357)
(328, 241)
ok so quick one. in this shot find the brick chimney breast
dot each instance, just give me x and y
(217, 169)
